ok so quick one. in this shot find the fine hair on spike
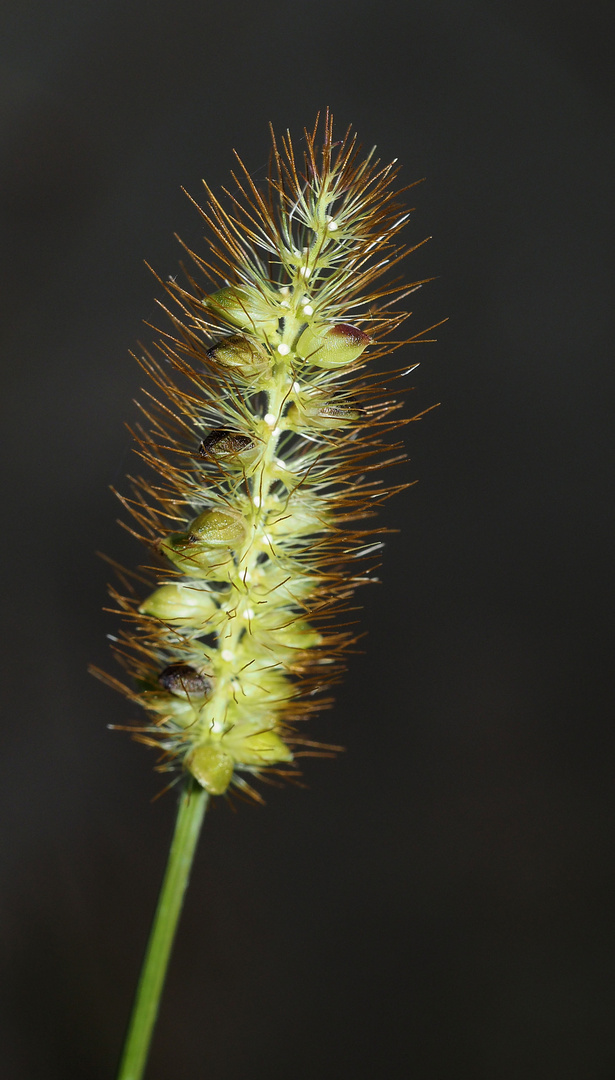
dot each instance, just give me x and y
(263, 433)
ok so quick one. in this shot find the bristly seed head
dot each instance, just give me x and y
(264, 447)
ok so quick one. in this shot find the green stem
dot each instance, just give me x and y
(183, 846)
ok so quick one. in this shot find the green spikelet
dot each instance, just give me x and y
(264, 434)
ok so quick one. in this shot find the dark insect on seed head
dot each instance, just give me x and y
(223, 442)
(183, 679)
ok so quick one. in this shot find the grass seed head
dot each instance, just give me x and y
(262, 434)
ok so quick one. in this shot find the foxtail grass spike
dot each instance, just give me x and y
(264, 427)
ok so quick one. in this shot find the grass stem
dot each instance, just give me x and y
(192, 806)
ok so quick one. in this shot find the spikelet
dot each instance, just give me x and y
(264, 433)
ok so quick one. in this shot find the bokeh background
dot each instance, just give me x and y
(439, 903)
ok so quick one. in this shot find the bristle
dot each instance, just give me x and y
(261, 437)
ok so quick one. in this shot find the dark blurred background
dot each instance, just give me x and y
(439, 903)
